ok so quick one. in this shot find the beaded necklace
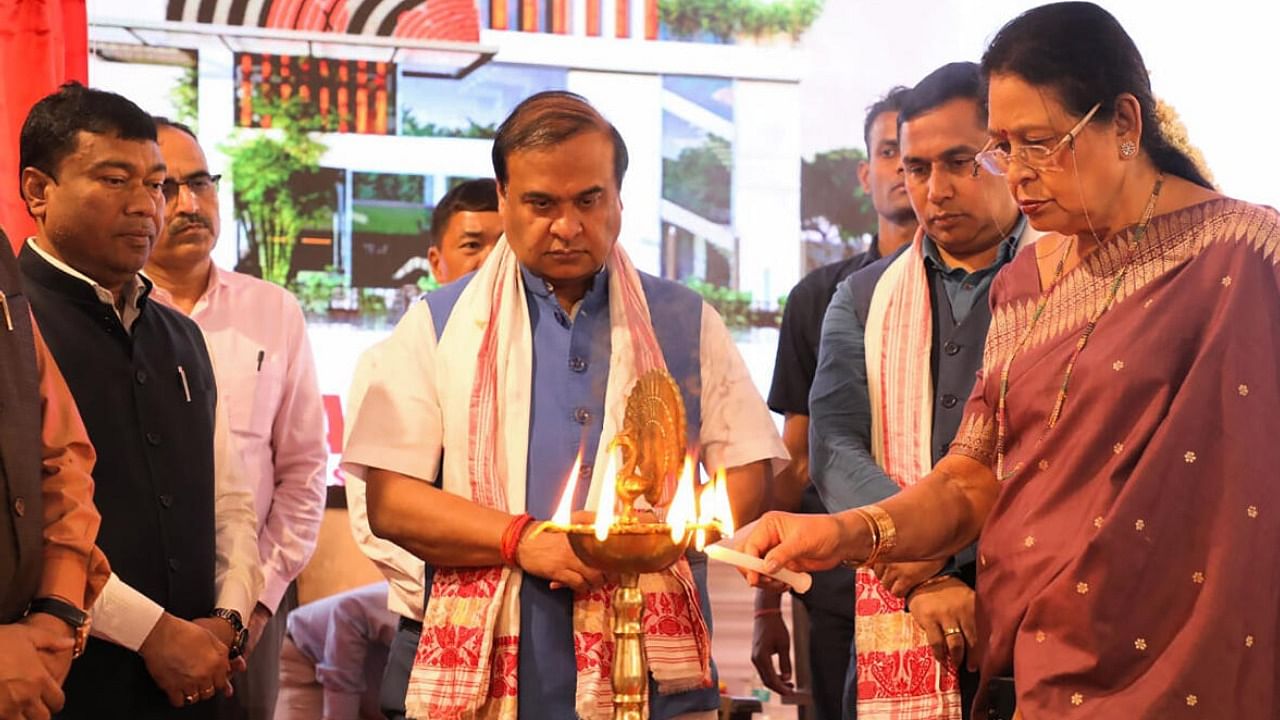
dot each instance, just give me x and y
(1139, 233)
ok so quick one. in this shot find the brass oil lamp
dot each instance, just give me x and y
(627, 541)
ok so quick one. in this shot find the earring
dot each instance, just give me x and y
(1128, 149)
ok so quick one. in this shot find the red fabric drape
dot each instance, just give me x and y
(43, 43)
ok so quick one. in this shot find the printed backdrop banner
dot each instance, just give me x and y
(48, 40)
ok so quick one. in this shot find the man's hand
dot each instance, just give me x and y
(769, 639)
(944, 611)
(902, 578)
(58, 662)
(27, 689)
(187, 660)
(219, 628)
(257, 623)
(222, 630)
(548, 555)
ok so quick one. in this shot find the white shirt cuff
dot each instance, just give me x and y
(124, 616)
(234, 596)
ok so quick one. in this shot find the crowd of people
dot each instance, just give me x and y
(1081, 533)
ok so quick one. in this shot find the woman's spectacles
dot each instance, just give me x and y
(202, 185)
(1036, 157)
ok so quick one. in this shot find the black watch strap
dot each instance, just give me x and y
(61, 609)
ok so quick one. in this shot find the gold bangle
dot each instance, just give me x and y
(874, 529)
(888, 530)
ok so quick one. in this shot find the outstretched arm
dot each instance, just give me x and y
(934, 518)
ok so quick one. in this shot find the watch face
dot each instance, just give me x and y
(237, 647)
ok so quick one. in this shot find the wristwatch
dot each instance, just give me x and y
(239, 631)
(67, 613)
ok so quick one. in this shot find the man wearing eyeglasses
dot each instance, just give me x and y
(901, 343)
(266, 375)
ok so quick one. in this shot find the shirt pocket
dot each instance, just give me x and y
(256, 398)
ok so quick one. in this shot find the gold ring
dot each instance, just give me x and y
(951, 631)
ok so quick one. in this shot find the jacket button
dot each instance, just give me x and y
(577, 364)
(166, 500)
(153, 438)
(950, 348)
(19, 507)
(582, 416)
(949, 401)
(141, 377)
(174, 564)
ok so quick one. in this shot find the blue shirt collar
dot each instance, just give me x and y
(1008, 248)
(598, 293)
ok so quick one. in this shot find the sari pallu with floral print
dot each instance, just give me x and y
(1130, 567)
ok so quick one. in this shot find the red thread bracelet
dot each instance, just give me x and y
(511, 538)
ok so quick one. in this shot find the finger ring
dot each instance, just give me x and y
(188, 699)
(207, 691)
(951, 631)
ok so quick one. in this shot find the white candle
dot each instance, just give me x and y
(799, 581)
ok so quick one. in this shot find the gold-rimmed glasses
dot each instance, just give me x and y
(1036, 157)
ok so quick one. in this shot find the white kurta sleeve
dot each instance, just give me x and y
(737, 428)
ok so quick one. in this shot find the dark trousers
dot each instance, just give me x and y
(830, 638)
(830, 606)
(395, 679)
(258, 686)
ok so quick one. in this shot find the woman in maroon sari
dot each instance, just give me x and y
(1118, 457)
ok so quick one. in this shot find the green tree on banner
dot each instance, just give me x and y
(831, 198)
(268, 170)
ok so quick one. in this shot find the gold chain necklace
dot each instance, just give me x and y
(1139, 233)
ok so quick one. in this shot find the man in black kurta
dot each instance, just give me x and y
(177, 522)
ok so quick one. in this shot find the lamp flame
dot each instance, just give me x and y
(706, 509)
(564, 511)
(608, 498)
(722, 509)
(682, 511)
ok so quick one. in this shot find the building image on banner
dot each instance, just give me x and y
(340, 125)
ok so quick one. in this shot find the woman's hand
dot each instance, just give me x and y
(797, 542)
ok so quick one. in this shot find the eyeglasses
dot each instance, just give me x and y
(202, 185)
(1036, 157)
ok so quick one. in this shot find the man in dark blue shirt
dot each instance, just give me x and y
(829, 603)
